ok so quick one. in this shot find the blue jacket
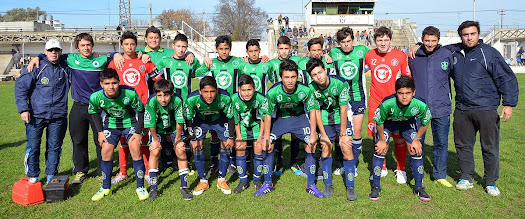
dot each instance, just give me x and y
(482, 78)
(431, 73)
(43, 92)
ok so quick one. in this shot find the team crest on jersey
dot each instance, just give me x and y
(44, 80)
(142, 68)
(179, 79)
(125, 100)
(235, 63)
(394, 62)
(348, 70)
(301, 95)
(264, 68)
(224, 80)
(96, 64)
(131, 77)
(382, 73)
(221, 105)
(444, 65)
(359, 54)
(257, 82)
(414, 111)
(77, 62)
(334, 91)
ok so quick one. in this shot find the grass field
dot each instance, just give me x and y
(289, 200)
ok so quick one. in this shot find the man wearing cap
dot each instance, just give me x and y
(41, 98)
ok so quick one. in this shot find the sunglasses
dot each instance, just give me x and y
(54, 49)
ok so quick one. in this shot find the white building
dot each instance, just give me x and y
(325, 15)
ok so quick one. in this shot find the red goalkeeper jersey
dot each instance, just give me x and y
(133, 74)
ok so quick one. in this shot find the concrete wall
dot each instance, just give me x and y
(24, 26)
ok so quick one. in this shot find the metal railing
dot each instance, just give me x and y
(197, 41)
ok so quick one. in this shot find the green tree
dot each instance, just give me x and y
(20, 14)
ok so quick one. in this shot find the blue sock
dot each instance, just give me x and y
(349, 166)
(153, 178)
(416, 162)
(106, 167)
(183, 174)
(327, 170)
(377, 164)
(356, 148)
(268, 167)
(241, 168)
(214, 152)
(232, 157)
(294, 151)
(257, 167)
(200, 164)
(224, 162)
(138, 168)
(309, 162)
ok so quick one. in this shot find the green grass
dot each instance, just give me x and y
(288, 200)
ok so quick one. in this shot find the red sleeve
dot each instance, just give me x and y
(112, 65)
(150, 66)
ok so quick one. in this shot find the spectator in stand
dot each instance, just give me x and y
(280, 19)
(287, 21)
(521, 51)
(301, 31)
(312, 32)
(357, 36)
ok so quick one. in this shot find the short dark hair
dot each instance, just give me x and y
(246, 79)
(152, 29)
(466, 24)
(287, 65)
(108, 73)
(83, 36)
(207, 81)
(405, 82)
(431, 31)
(284, 40)
(316, 40)
(344, 33)
(223, 39)
(163, 86)
(252, 42)
(180, 37)
(128, 35)
(382, 31)
(313, 63)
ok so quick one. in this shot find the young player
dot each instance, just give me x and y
(164, 112)
(261, 72)
(386, 65)
(332, 94)
(397, 113)
(209, 109)
(124, 115)
(248, 123)
(288, 101)
(348, 63)
(153, 39)
(284, 46)
(315, 50)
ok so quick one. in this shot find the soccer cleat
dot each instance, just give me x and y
(232, 170)
(278, 170)
(152, 194)
(464, 184)
(168, 171)
(186, 194)
(214, 170)
(100, 194)
(223, 186)
(401, 176)
(339, 171)
(119, 178)
(422, 194)
(296, 169)
(203, 186)
(444, 182)
(265, 188)
(79, 178)
(328, 191)
(374, 194)
(257, 184)
(142, 193)
(492, 190)
(385, 172)
(350, 194)
(312, 189)
(241, 187)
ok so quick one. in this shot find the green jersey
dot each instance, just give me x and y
(350, 66)
(164, 118)
(331, 98)
(248, 115)
(84, 75)
(277, 62)
(158, 55)
(121, 112)
(179, 73)
(225, 72)
(389, 110)
(303, 74)
(260, 72)
(221, 107)
(285, 104)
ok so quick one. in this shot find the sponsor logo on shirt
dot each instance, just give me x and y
(382, 73)
(224, 80)
(348, 70)
(179, 79)
(131, 77)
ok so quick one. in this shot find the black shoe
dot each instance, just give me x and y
(350, 194)
(257, 184)
(241, 187)
(153, 194)
(422, 194)
(214, 170)
(374, 194)
(232, 170)
(328, 191)
(186, 194)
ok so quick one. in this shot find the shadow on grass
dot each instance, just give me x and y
(12, 144)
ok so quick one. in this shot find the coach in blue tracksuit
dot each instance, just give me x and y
(41, 99)
(431, 68)
(481, 80)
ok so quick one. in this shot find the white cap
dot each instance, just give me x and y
(53, 44)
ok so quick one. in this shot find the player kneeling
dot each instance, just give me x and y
(397, 113)
(248, 125)
(332, 94)
(209, 109)
(164, 112)
(124, 116)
